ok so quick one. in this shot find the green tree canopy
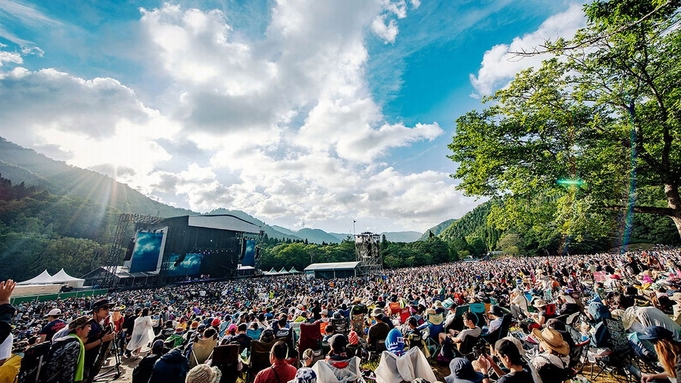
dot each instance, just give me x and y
(595, 129)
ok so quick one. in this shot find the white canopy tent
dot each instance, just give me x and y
(41, 279)
(61, 277)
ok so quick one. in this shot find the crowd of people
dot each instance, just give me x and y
(508, 319)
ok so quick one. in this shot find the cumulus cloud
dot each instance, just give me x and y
(387, 32)
(282, 126)
(501, 63)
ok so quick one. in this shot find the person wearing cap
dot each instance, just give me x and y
(555, 352)
(66, 359)
(668, 353)
(462, 371)
(100, 334)
(519, 305)
(378, 331)
(279, 371)
(55, 323)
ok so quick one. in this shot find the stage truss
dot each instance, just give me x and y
(113, 258)
(368, 252)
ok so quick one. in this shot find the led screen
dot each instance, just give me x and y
(249, 253)
(187, 265)
(147, 251)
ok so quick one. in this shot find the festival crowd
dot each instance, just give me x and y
(538, 319)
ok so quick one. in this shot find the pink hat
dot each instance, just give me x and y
(231, 328)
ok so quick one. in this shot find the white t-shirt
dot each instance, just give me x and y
(6, 347)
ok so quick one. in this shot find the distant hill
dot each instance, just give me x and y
(437, 229)
(316, 236)
(26, 165)
(402, 236)
(473, 223)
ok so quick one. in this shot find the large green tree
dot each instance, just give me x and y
(596, 128)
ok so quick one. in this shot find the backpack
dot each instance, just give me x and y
(550, 373)
(47, 375)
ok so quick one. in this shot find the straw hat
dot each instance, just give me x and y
(552, 339)
(203, 373)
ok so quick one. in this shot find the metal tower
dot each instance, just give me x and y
(368, 252)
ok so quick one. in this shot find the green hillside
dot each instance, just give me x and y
(437, 229)
(25, 165)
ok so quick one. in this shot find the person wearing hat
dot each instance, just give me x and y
(668, 353)
(519, 305)
(203, 373)
(554, 360)
(99, 336)
(55, 323)
(338, 344)
(340, 323)
(378, 331)
(462, 371)
(304, 375)
(66, 359)
(280, 371)
(541, 316)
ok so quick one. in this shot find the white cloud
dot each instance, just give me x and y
(500, 64)
(387, 32)
(10, 57)
(282, 127)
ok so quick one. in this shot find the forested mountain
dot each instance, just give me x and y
(25, 165)
(437, 229)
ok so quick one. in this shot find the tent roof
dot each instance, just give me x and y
(61, 276)
(283, 271)
(293, 270)
(332, 266)
(43, 277)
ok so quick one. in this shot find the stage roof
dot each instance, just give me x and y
(224, 222)
(332, 266)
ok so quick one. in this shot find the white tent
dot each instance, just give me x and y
(283, 271)
(293, 270)
(43, 278)
(61, 277)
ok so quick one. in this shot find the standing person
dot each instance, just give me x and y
(66, 359)
(280, 371)
(98, 338)
(6, 313)
(55, 323)
(142, 333)
(128, 326)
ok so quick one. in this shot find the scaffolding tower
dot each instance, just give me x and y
(368, 252)
(114, 256)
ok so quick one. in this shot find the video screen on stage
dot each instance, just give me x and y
(249, 253)
(146, 255)
(183, 265)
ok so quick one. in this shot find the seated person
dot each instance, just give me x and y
(280, 371)
(458, 337)
(377, 332)
(496, 319)
(509, 353)
(553, 362)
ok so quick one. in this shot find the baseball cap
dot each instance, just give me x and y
(53, 313)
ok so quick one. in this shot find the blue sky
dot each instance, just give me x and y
(303, 113)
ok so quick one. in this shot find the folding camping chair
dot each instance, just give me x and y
(228, 360)
(310, 337)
